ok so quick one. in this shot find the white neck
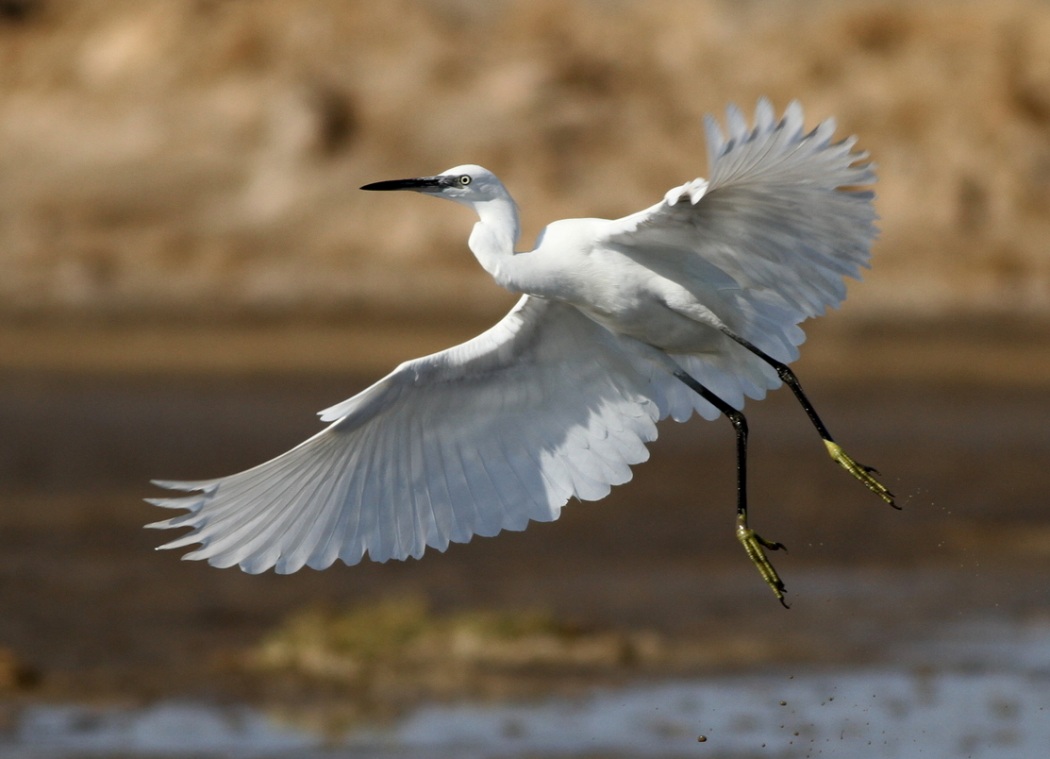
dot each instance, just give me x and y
(494, 237)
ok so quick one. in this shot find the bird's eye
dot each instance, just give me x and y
(465, 180)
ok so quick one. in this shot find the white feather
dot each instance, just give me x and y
(559, 399)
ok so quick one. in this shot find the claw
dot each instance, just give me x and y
(753, 544)
(863, 473)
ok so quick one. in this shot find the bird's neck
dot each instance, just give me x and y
(494, 237)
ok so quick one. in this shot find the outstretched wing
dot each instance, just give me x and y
(782, 215)
(476, 439)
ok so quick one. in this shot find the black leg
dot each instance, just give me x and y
(753, 543)
(865, 474)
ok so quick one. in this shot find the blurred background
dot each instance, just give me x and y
(188, 272)
(167, 161)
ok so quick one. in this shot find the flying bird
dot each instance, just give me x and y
(691, 305)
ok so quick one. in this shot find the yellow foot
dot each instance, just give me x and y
(863, 473)
(754, 543)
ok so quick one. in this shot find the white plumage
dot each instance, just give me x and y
(560, 397)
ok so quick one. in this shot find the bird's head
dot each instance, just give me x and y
(468, 184)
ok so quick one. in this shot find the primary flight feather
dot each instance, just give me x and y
(690, 305)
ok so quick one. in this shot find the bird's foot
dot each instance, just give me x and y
(865, 474)
(754, 544)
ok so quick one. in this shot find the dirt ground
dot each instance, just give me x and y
(91, 612)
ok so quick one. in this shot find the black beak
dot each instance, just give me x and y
(419, 184)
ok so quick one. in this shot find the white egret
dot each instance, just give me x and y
(690, 305)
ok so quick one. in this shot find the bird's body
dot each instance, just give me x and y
(690, 305)
(573, 264)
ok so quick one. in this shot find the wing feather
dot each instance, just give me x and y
(533, 503)
(316, 545)
(386, 546)
(355, 513)
(482, 437)
(781, 222)
(304, 527)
